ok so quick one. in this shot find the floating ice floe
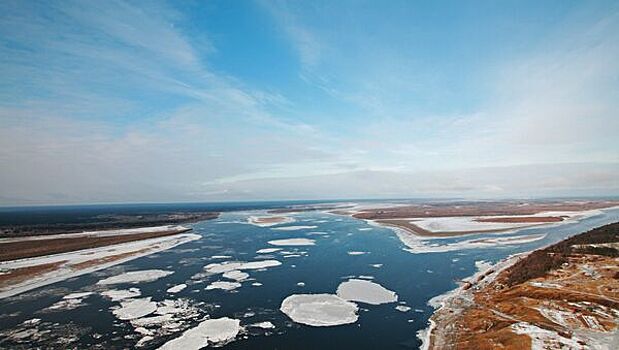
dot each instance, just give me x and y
(292, 242)
(301, 284)
(116, 294)
(176, 288)
(224, 285)
(402, 308)
(136, 277)
(135, 308)
(365, 292)
(268, 250)
(263, 325)
(227, 266)
(235, 275)
(256, 284)
(293, 228)
(376, 266)
(319, 310)
(356, 253)
(65, 304)
(210, 332)
(317, 233)
(170, 317)
(221, 257)
(78, 295)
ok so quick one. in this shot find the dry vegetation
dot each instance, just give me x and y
(569, 289)
(479, 209)
(41, 247)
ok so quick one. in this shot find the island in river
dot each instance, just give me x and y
(35, 255)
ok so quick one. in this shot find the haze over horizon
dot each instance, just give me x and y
(254, 100)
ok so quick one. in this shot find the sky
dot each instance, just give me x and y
(199, 101)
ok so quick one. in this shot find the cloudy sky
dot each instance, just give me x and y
(149, 101)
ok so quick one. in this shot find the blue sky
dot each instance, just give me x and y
(245, 100)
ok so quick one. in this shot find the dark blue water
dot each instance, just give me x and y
(416, 278)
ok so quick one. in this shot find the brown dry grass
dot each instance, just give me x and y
(34, 248)
(522, 219)
(22, 274)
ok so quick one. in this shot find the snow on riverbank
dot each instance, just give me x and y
(419, 245)
(86, 261)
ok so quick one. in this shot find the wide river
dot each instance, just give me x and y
(318, 268)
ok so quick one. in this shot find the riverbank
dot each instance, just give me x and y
(562, 296)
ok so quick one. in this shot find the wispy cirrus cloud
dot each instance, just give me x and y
(126, 101)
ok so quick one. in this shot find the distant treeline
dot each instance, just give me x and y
(107, 222)
(540, 262)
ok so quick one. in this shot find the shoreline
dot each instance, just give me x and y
(559, 301)
(24, 274)
(442, 301)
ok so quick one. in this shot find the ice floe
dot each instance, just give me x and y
(402, 308)
(227, 266)
(136, 277)
(221, 257)
(224, 285)
(120, 294)
(235, 275)
(210, 332)
(78, 295)
(263, 325)
(365, 292)
(65, 304)
(319, 310)
(294, 228)
(135, 308)
(176, 288)
(292, 242)
(268, 250)
(356, 253)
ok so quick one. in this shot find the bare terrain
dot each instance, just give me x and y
(448, 219)
(105, 222)
(565, 296)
